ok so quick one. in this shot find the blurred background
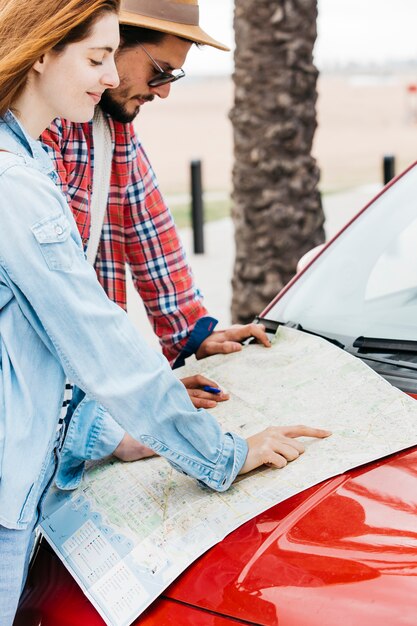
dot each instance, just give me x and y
(366, 52)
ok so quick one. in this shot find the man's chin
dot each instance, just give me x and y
(117, 111)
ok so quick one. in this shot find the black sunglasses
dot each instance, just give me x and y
(162, 77)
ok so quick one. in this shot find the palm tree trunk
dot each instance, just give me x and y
(277, 208)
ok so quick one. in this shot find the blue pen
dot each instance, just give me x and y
(211, 389)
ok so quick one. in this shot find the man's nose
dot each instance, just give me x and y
(162, 91)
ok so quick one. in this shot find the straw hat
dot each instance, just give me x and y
(175, 17)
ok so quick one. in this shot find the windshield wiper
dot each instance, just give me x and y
(374, 344)
(379, 359)
(364, 344)
(272, 325)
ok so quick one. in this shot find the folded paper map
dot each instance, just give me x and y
(131, 528)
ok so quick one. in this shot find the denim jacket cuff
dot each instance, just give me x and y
(111, 434)
(218, 475)
(92, 434)
(202, 329)
(234, 462)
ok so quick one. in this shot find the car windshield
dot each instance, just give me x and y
(365, 283)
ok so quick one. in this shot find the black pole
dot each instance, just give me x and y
(197, 208)
(388, 168)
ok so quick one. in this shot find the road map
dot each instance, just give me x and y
(131, 528)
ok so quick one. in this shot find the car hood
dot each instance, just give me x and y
(343, 550)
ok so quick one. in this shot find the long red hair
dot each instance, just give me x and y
(30, 28)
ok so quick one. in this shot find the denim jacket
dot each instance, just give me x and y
(56, 322)
(93, 433)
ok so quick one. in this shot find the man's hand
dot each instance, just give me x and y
(200, 398)
(226, 341)
(277, 445)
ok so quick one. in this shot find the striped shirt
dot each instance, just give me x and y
(65, 403)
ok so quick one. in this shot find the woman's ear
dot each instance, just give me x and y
(39, 65)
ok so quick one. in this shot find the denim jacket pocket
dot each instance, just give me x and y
(51, 233)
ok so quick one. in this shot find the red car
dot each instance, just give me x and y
(344, 551)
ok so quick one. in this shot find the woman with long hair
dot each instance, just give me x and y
(56, 57)
(56, 323)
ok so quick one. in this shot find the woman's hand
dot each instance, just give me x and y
(130, 449)
(200, 398)
(277, 445)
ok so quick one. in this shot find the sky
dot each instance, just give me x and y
(359, 31)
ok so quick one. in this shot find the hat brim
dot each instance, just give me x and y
(187, 31)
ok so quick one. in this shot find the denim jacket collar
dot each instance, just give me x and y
(17, 132)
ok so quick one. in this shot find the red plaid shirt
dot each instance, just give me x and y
(138, 229)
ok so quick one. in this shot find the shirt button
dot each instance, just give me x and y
(89, 187)
(59, 230)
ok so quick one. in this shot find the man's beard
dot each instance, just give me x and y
(117, 110)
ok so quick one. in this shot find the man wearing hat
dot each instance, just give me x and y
(135, 226)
